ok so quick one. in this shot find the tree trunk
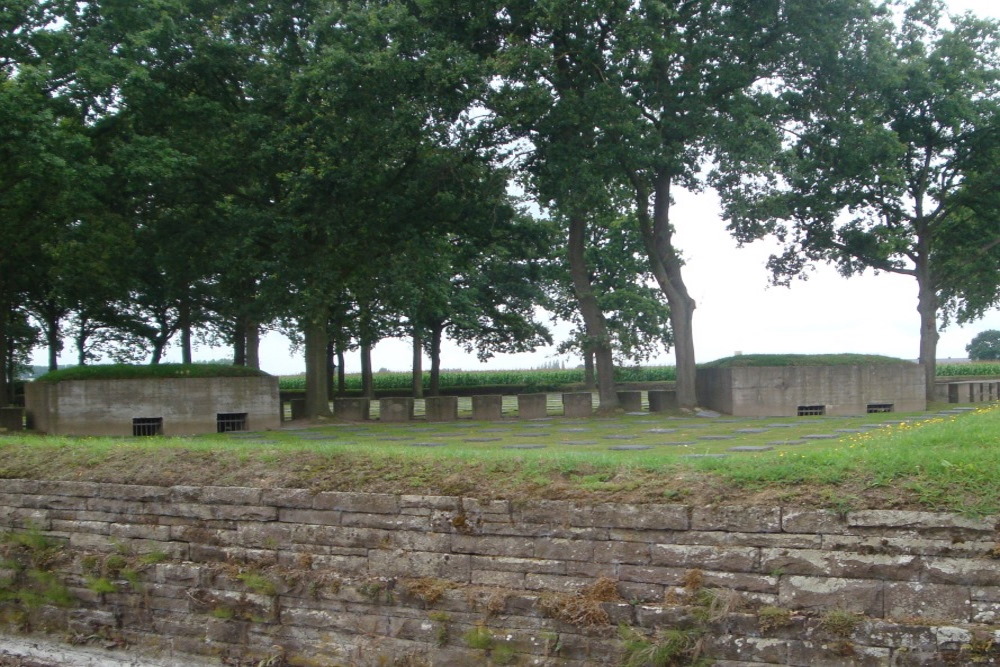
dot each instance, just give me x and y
(437, 332)
(184, 323)
(53, 340)
(5, 397)
(666, 266)
(341, 373)
(418, 366)
(158, 345)
(598, 340)
(80, 338)
(927, 307)
(589, 374)
(367, 379)
(331, 367)
(253, 345)
(317, 400)
(240, 342)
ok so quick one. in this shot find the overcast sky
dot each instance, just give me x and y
(737, 310)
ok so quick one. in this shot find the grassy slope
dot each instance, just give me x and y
(941, 463)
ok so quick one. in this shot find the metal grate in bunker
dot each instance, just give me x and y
(227, 422)
(877, 408)
(811, 410)
(143, 426)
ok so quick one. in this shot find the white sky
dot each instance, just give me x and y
(737, 310)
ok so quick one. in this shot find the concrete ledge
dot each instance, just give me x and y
(441, 408)
(662, 400)
(395, 409)
(352, 409)
(631, 401)
(532, 406)
(487, 407)
(578, 404)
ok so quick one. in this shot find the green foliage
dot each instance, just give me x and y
(667, 647)
(257, 583)
(985, 346)
(130, 372)
(479, 637)
(536, 380)
(100, 585)
(752, 360)
(978, 369)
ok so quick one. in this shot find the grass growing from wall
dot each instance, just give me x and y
(132, 372)
(936, 462)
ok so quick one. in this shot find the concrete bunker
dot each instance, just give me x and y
(812, 390)
(151, 406)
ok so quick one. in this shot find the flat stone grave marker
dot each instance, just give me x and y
(716, 437)
(578, 442)
(263, 442)
(821, 436)
(540, 419)
(728, 421)
(481, 439)
(638, 414)
(788, 442)
(751, 430)
(780, 425)
(437, 434)
(704, 456)
(619, 437)
(397, 438)
(574, 430)
(629, 448)
(965, 409)
(525, 446)
(535, 426)
(679, 443)
(708, 414)
(750, 448)
(427, 444)
(496, 430)
(662, 430)
(850, 430)
(546, 434)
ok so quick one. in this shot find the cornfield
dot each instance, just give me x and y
(549, 379)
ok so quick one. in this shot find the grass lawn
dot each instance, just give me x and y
(940, 460)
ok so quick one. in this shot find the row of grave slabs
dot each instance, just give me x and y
(704, 434)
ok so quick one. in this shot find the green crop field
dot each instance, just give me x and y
(552, 380)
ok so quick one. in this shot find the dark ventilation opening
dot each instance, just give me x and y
(811, 410)
(147, 426)
(230, 421)
(875, 408)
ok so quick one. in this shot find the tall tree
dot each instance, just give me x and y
(888, 166)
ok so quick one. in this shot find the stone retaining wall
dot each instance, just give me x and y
(357, 579)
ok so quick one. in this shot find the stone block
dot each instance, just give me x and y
(488, 407)
(630, 401)
(376, 503)
(940, 602)
(578, 404)
(399, 563)
(863, 596)
(352, 409)
(918, 520)
(729, 559)
(399, 409)
(812, 521)
(738, 518)
(837, 564)
(11, 419)
(441, 408)
(532, 406)
(662, 400)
